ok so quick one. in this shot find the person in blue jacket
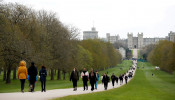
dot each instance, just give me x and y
(97, 79)
(43, 74)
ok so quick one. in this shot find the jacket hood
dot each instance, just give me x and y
(22, 63)
(32, 64)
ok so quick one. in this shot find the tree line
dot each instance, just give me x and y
(39, 36)
(163, 55)
(119, 44)
(144, 52)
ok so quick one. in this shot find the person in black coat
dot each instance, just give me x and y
(92, 78)
(116, 78)
(74, 78)
(105, 80)
(113, 77)
(43, 74)
(32, 72)
(121, 79)
(126, 79)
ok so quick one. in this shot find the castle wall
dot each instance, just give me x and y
(130, 41)
(140, 40)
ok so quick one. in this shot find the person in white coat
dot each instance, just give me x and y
(85, 78)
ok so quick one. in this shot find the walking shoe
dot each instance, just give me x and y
(74, 89)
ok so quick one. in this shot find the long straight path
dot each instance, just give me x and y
(135, 53)
(50, 94)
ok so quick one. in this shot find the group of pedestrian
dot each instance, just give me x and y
(86, 76)
(31, 74)
(114, 79)
(93, 77)
(121, 77)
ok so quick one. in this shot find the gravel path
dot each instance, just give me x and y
(135, 54)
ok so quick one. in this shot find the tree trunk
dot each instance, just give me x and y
(55, 72)
(8, 74)
(59, 74)
(52, 74)
(14, 74)
(4, 76)
(69, 74)
(64, 75)
(49, 72)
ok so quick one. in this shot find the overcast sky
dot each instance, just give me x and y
(155, 18)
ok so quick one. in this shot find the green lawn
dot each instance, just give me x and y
(14, 86)
(138, 53)
(144, 86)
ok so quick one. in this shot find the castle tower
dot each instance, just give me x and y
(93, 29)
(172, 36)
(93, 34)
(130, 40)
(108, 37)
(140, 41)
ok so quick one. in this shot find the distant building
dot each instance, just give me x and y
(138, 42)
(135, 42)
(171, 36)
(122, 52)
(112, 39)
(93, 34)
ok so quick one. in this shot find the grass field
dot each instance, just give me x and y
(14, 86)
(144, 86)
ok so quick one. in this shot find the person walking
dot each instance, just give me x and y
(92, 78)
(32, 71)
(121, 79)
(126, 79)
(97, 79)
(85, 77)
(116, 78)
(113, 77)
(22, 74)
(101, 79)
(74, 78)
(105, 80)
(42, 75)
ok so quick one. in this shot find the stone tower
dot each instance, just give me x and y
(140, 40)
(108, 37)
(93, 34)
(130, 40)
(172, 36)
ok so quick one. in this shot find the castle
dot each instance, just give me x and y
(132, 42)
(138, 42)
